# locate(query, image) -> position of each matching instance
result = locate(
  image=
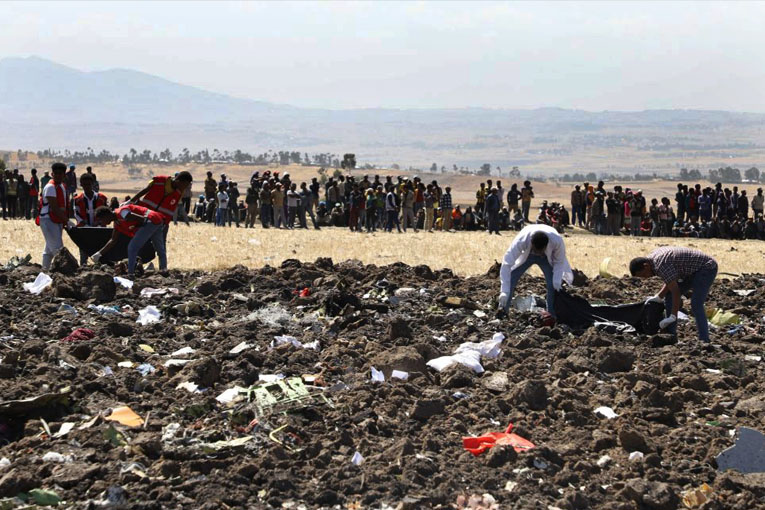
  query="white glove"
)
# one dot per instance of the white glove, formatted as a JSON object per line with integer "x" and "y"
{"x": 503, "y": 298}
{"x": 654, "y": 299}
{"x": 668, "y": 321}
{"x": 96, "y": 257}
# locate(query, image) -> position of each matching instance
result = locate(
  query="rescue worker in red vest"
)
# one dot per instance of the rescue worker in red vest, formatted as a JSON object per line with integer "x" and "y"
{"x": 139, "y": 223}
{"x": 54, "y": 215}
{"x": 85, "y": 205}
{"x": 163, "y": 194}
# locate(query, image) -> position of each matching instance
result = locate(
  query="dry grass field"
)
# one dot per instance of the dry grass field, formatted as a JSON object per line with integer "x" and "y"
{"x": 202, "y": 246}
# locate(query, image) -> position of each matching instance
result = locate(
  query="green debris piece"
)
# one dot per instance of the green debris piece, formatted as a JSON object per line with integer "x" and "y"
{"x": 283, "y": 395}
{"x": 44, "y": 497}
{"x": 714, "y": 423}
{"x": 115, "y": 437}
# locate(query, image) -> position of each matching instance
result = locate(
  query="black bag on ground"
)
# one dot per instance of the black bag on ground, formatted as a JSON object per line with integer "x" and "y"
{"x": 578, "y": 313}
{"x": 92, "y": 239}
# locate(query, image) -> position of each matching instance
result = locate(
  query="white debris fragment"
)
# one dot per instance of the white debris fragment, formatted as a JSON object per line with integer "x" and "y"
{"x": 604, "y": 461}
{"x": 636, "y": 456}
{"x": 606, "y": 412}
{"x": 377, "y": 376}
{"x": 148, "y": 315}
{"x": 230, "y": 395}
{"x": 242, "y": 346}
{"x": 469, "y": 354}
{"x": 189, "y": 386}
{"x": 399, "y": 374}
{"x": 357, "y": 459}
{"x": 286, "y": 339}
{"x": 57, "y": 457}
{"x": 41, "y": 282}
{"x": 183, "y": 351}
{"x": 176, "y": 362}
{"x": 128, "y": 284}
{"x": 269, "y": 378}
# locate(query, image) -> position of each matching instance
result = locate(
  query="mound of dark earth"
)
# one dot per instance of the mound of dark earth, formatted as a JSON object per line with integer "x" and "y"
{"x": 677, "y": 403}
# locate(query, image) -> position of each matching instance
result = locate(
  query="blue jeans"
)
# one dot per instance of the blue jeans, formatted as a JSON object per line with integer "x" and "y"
{"x": 699, "y": 282}
{"x": 547, "y": 270}
{"x": 148, "y": 232}
{"x": 220, "y": 217}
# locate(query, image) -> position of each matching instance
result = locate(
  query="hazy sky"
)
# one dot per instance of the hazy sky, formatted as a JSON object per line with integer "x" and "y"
{"x": 594, "y": 56}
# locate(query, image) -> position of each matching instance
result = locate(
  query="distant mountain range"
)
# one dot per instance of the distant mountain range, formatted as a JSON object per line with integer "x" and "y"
{"x": 44, "y": 104}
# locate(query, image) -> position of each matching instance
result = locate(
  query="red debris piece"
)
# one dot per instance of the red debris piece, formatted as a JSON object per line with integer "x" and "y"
{"x": 478, "y": 445}
{"x": 79, "y": 334}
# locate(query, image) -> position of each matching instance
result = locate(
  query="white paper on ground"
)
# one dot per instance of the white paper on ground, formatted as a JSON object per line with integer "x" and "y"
{"x": 148, "y": 315}
{"x": 286, "y": 339}
{"x": 399, "y": 374}
{"x": 488, "y": 348}
{"x": 230, "y": 395}
{"x": 40, "y": 283}
{"x": 189, "y": 386}
{"x": 270, "y": 377}
{"x": 176, "y": 362}
{"x": 606, "y": 412}
{"x": 471, "y": 359}
{"x": 128, "y": 284}
{"x": 183, "y": 351}
{"x": 150, "y": 291}
{"x": 469, "y": 354}
{"x": 242, "y": 346}
{"x": 636, "y": 456}
{"x": 377, "y": 376}
{"x": 357, "y": 459}
{"x": 65, "y": 428}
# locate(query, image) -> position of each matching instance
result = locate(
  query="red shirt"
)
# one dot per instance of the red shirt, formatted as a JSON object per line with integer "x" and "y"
{"x": 128, "y": 226}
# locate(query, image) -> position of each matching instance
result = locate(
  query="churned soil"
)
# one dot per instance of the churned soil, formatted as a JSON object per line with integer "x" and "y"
{"x": 677, "y": 401}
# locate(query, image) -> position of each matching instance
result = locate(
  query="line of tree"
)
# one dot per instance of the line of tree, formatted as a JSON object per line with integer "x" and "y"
{"x": 185, "y": 156}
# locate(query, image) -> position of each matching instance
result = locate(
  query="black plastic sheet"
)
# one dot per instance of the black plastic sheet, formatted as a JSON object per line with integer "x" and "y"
{"x": 92, "y": 239}
{"x": 578, "y": 313}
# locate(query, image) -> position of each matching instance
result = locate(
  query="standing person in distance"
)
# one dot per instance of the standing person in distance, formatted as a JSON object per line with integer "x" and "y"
{"x": 681, "y": 269}
{"x": 539, "y": 245}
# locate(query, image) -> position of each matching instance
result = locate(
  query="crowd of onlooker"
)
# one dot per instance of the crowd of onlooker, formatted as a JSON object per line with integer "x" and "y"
{"x": 19, "y": 196}
{"x": 365, "y": 204}
{"x": 711, "y": 212}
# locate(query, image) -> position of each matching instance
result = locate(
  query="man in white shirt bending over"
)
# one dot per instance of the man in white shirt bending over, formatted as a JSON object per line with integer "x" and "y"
{"x": 536, "y": 244}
